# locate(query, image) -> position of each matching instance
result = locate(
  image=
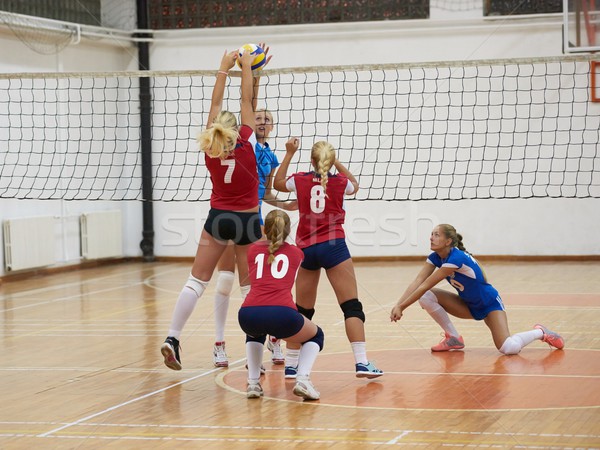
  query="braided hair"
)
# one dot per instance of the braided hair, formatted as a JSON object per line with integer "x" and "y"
{"x": 323, "y": 157}
{"x": 277, "y": 229}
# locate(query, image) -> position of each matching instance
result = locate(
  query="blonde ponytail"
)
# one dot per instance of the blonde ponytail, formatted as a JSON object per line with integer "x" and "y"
{"x": 277, "y": 229}
{"x": 218, "y": 141}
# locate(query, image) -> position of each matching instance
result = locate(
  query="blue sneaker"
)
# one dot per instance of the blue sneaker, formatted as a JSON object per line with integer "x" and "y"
{"x": 367, "y": 370}
{"x": 291, "y": 372}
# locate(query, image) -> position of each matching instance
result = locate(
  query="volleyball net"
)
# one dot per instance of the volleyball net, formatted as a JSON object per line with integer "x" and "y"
{"x": 446, "y": 130}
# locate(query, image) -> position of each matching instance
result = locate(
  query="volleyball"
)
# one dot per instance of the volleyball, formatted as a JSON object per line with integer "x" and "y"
{"x": 259, "y": 55}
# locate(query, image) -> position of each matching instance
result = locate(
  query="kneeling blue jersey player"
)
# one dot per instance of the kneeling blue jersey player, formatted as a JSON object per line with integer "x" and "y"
{"x": 475, "y": 298}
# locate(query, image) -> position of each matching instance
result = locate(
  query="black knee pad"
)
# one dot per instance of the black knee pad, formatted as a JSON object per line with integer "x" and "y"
{"x": 318, "y": 338}
{"x": 308, "y": 313}
{"x": 353, "y": 308}
{"x": 259, "y": 339}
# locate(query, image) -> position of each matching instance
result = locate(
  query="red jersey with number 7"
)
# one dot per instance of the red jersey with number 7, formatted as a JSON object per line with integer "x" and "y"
{"x": 235, "y": 178}
{"x": 271, "y": 284}
{"x": 322, "y": 214}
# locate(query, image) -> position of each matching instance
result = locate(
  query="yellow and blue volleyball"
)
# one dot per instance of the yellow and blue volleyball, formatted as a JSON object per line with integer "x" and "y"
{"x": 259, "y": 55}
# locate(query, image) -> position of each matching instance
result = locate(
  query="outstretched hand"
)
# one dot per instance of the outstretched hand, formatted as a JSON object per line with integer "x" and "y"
{"x": 266, "y": 49}
{"x": 246, "y": 58}
{"x": 228, "y": 60}
{"x": 292, "y": 145}
{"x": 396, "y": 313}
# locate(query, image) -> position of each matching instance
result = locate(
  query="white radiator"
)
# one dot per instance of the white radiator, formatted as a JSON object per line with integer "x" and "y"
{"x": 101, "y": 235}
{"x": 29, "y": 242}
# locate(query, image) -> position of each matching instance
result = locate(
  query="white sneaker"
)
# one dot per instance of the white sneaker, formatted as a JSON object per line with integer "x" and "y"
{"x": 219, "y": 355}
{"x": 305, "y": 389}
{"x": 275, "y": 348}
{"x": 254, "y": 390}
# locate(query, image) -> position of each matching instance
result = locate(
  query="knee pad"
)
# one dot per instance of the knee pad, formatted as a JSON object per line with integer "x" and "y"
{"x": 259, "y": 339}
{"x": 308, "y": 313}
{"x": 196, "y": 285}
{"x": 429, "y": 302}
{"x": 353, "y": 308}
{"x": 318, "y": 338}
{"x": 511, "y": 346}
{"x": 244, "y": 291}
{"x": 224, "y": 282}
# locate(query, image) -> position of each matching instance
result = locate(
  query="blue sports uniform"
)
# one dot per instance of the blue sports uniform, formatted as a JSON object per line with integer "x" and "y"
{"x": 470, "y": 284}
{"x": 266, "y": 161}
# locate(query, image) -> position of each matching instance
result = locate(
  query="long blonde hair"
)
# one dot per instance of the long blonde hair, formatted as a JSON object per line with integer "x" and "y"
{"x": 218, "y": 141}
{"x": 277, "y": 229}
{"x": 323, "y": 156}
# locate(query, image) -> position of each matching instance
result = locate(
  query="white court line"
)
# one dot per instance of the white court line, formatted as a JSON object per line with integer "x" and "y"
{"x": 134, "y": 400}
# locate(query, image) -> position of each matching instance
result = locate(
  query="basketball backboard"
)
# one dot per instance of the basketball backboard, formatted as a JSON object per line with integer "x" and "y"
{"x": 581, "y": 26}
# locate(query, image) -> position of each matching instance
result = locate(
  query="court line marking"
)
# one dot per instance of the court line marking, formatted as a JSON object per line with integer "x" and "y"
{"x": 129, "y": 402}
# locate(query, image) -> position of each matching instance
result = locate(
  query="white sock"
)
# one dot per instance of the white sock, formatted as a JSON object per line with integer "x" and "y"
{"x": 308, "y": 355}
{"x": 291, "y": 357}
{"x": 183, "y": 310}
{"x": 360, "y": 352}
{"x": 429, "y": 303}
{"x": 527, "y": 337}
{"x": 254, "y": 354}
{"x": 222, "y": 293}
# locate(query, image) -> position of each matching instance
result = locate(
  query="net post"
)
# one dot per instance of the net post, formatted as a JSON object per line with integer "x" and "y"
{"x": 147, "y": 243}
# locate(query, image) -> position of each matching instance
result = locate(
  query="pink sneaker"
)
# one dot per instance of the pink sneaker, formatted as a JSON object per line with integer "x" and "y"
{"x": 449, "y": 343}
{"x": 550, "y": 337}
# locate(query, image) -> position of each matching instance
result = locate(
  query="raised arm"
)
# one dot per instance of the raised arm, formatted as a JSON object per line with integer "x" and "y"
{"x": 427, "y": 278}
{"x": 291, "y": 146}
{"x": 342, "y": 169}
{"x": 247, "y": 110}
{"x": 216, "y": 102}
{"x": 256, "y": 82}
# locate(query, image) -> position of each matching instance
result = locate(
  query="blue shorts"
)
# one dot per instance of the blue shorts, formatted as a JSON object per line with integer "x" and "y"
{"x": 325, "y": 255}
{"x": 481, "y": 311}
{"x": 278, "y": 321}
{"x": 242, "y": 228}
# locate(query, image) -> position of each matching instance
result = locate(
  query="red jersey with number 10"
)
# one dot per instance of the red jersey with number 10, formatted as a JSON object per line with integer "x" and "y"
{"x": 235, "y": 178}
{"x": 322, "y": 214}
{"x": 271, "y": 284}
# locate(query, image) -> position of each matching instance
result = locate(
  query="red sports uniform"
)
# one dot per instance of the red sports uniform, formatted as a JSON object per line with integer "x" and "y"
{"x": 235, "y": 178}
{"x": 271, "y": 284}
{"x": 322, "y": 214}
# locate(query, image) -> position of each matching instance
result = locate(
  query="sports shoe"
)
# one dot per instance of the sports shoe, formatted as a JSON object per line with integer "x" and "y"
{"x": 254, "y": 390}
{"x": 219, "y": 355}
{"x": 290, "y": 372}
{"x": 170, "y": 351}
{"x": 305, "y": 389}
{"x": 449, "y": 343}
{"x": 550, "y": 337}
{"x": 367, "y": 370}
{"x": 275, "y": 347}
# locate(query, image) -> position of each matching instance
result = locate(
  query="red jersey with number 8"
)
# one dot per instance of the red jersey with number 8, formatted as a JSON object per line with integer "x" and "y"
{"x": 322, "y": 214}
{"x": 235, "y": 178}
{"x": 271, "y": 284}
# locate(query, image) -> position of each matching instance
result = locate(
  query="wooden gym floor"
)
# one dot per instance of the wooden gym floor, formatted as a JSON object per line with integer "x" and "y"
{"x": 81, "y": 368}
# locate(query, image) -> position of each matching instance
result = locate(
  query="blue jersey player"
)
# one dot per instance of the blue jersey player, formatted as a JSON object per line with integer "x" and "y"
{"x": 475, "y": 298}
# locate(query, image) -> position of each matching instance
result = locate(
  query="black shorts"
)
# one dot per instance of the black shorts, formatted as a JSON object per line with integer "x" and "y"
{"x": 242, "y": 228}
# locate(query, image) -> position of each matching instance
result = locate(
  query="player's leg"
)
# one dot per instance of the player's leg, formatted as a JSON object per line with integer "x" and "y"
{"x": 223, "y": 288}
{"x": 343, "y": 280}
{"x": 439, "y": 304}
{"x": 307, "y": 282}
{"x": 208, "y": 254}
{"x": 311, "y": 339}
{"x": 509, "y": 344}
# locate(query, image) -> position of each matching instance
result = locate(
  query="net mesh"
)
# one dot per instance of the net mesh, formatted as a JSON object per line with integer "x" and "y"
{"x": 445, "y": 131}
